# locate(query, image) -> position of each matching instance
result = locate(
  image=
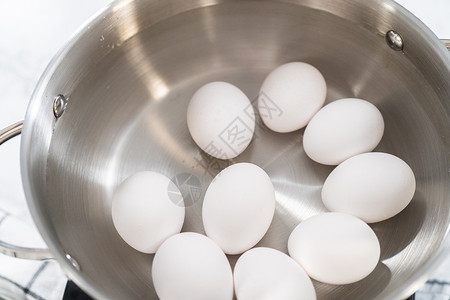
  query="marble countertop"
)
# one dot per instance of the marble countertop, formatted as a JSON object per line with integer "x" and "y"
{"x": 33, "y": 31}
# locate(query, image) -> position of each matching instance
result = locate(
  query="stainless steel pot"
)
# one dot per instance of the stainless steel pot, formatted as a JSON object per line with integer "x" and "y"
{"x": 126, "y": 78}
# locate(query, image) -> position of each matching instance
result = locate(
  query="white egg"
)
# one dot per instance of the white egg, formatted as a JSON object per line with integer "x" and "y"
{"x": 147, "y": 208}
{"x": 335, "y": 248}
{"x": 238, "y": 207}
{"x": 342, "y": 129}
{"x": 371, "y": 186}
{"x": 290, "y": 96}
{"x": 221, "y": 120}
{"x": 265, "y": 273}
{"x": 191, "y": 266}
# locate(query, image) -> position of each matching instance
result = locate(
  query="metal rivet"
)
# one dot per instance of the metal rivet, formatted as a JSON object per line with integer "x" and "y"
{"x": 74, "y": 263}
{"x": 394, "y": 40}
{"x": 59, "y": 105}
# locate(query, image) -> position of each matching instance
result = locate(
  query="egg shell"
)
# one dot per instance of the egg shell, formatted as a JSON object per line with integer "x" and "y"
{"x": 266, "y": 273}
{"x": 238, "y": 207}
{"x": 221, "y": 119}
{"x": 342, "y": 129}
{"x": 191, "y": 266}
{"x": 335, "y": 248}
{"x": 290, "y": 96}
{"x": 143, "y": 212}
{"x": 371, "y": 186}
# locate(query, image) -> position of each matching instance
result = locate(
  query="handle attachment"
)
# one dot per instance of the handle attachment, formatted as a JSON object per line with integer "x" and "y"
{"x": 446, "y": 43}
{"x": 6, "y": 248}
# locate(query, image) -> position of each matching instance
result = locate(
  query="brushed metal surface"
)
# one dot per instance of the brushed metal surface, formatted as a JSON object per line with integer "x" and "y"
{"x": 7, "y": 248}
{"x": 129, "y": 75}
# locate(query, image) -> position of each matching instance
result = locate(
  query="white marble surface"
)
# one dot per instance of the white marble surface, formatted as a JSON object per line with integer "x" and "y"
{"x": 31, "y": 33}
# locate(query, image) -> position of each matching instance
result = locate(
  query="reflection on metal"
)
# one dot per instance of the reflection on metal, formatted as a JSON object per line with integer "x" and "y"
{"x": 138, "y": 57}
{"x": 119, "y": 6}
{"x": 7, "y": 248}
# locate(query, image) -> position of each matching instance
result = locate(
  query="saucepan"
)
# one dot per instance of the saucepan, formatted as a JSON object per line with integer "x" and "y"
{"x": 113, "y": 102}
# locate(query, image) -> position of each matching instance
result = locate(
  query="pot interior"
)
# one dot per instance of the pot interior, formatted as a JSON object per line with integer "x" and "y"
{"x": 129, "y": 78}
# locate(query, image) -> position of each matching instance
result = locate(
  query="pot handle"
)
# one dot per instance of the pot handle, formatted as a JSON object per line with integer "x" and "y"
{"x": 446, "y": 44}
{"x": 6, "y": 248}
